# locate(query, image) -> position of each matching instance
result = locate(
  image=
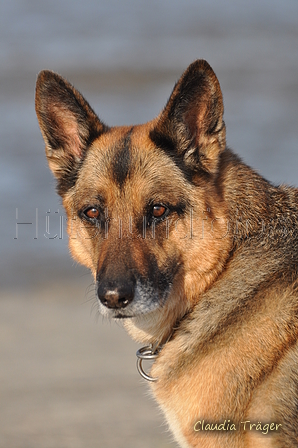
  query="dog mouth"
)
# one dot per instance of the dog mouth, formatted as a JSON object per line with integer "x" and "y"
{"x": 145, "y": 300}
{"x": 130, "y": 295}
{"x": 129, "y": 299}
{"x": 122, "y": 316}
{"x": 134, "y": 309}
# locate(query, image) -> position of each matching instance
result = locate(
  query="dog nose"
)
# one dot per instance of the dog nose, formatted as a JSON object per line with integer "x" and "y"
{"x": 116, "y": 297}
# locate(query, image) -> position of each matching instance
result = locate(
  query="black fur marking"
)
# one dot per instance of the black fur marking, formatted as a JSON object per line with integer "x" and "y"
{"x": 71, "y": 171}
{"x": 163, "y": 142}
{"x": 122, "y": 161}
{"x": 162, "y": 278}
{"x": 70, "y": 175}
{"x": 168, "y": 146}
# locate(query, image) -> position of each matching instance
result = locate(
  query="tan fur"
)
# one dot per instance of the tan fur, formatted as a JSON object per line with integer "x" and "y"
{"x": 213, "y": 281}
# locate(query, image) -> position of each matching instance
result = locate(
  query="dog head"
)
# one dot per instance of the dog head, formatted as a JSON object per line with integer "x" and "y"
{"x": 145, "y": 212}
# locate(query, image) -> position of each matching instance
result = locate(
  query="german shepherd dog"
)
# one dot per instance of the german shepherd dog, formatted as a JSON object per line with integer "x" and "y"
{"x": 195, "y": 252}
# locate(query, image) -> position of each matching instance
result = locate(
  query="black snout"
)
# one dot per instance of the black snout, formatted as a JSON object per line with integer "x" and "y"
{"x": 116, "y": 295}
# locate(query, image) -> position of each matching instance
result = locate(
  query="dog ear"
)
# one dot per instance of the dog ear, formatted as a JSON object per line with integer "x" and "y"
{"x": 191, "y": 125}
{"x": 67, "y": 122}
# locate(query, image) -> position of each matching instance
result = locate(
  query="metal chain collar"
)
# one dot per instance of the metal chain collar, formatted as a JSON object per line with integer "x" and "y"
{"x": 147, "y": 353}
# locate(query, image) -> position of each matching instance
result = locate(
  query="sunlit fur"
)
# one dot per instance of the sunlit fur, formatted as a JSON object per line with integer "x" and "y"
{"x": 214, "y": 283}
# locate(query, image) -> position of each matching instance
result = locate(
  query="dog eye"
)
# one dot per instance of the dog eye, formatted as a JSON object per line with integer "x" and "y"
{"x": 92, "y": 213}
{"x": 159, "y": 211}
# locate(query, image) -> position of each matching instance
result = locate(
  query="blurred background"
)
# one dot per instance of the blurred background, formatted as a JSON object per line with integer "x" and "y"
{"x": 68, "y": 379}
